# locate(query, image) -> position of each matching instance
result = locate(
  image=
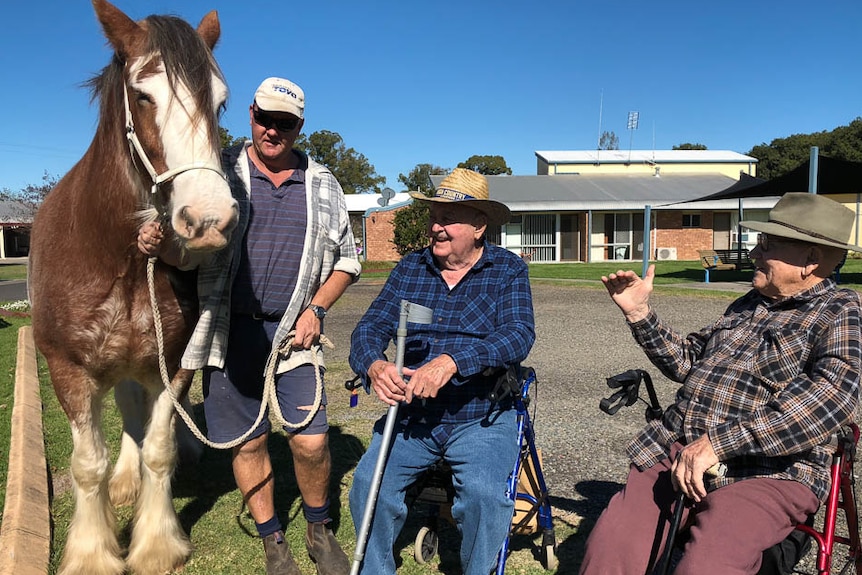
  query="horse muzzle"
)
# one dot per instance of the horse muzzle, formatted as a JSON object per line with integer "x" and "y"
{"x": 205, "y": 231}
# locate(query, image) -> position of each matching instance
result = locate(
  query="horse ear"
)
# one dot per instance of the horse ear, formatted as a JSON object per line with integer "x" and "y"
{"x": 210, "y": 29}
{"x": 124, "y": 34}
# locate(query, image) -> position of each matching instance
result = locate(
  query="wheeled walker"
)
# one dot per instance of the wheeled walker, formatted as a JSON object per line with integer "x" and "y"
{"x": 782, "y": 558}
{"x": 526, "y": 485}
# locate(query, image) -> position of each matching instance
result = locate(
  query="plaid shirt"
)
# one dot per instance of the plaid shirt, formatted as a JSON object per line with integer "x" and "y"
{"x": 328, "y": 246}
{"x": 769, "y": 382}
{"x": 486, "y": 321}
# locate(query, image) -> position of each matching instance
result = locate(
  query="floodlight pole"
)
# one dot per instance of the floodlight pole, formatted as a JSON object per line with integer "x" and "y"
{"x": 631, "y": 126}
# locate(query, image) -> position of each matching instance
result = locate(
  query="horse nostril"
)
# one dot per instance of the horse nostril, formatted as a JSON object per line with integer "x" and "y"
{"x": 187, "y": 222}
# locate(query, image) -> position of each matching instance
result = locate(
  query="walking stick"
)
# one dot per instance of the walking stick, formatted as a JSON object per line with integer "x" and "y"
{"x": 663, "y": 567}
{"x": 410, "y": 312}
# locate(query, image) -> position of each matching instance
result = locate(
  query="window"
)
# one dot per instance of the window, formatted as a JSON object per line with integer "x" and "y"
{"x": 691, "y": 220}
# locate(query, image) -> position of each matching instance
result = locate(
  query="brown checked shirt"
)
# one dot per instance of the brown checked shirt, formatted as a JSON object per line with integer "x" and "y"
{"x": 769, "y": 382}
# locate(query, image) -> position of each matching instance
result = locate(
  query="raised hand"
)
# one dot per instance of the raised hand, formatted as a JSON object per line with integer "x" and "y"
{"x": 630, "y": 292}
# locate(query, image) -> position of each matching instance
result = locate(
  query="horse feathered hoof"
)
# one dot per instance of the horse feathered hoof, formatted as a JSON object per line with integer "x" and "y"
{"x": 91, "y": 562}
{"x": 159, "y": 557}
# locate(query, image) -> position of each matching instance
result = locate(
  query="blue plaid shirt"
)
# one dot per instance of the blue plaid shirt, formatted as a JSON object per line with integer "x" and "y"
{"x": 486, "y": 321}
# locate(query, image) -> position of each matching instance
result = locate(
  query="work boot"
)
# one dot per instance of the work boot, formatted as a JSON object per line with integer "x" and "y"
{"x": 325, "y": 551}
{"x": 279, "y": 560}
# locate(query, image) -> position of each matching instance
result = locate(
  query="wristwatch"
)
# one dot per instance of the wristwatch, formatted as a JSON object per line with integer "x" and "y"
{"x": 319, "y": 311}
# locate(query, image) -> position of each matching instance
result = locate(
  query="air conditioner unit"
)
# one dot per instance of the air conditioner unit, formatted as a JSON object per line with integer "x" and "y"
{"x": 666, "y": 253}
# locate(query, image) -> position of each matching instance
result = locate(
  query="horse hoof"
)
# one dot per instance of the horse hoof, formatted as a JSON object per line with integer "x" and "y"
{"x": 165, "y": 557}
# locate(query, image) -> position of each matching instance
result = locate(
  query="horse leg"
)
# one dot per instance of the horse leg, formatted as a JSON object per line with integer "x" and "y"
{"x": 131, "y": 400}
{"x": 126, "y": 480}
{"x": 158, "y": 541}
{"x": 91, "y": 544}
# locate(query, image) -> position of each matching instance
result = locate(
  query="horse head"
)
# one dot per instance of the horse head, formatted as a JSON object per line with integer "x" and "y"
{"x": 173, "y": 92}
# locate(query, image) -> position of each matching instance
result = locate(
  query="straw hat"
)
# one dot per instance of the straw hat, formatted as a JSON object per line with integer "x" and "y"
{"x": 809, "y": 218}
{"x": 471, "y": 188}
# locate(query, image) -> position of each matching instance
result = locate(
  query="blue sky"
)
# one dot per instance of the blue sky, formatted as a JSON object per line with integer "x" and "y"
{"x": 408, "y": 82}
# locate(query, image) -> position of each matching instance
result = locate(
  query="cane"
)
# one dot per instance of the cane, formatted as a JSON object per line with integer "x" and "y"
{"x": 413, "y": 313}
{"x": 663, "y": 567}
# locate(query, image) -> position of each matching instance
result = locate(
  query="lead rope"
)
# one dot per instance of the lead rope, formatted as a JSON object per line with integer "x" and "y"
{"x": 269, "y": 394}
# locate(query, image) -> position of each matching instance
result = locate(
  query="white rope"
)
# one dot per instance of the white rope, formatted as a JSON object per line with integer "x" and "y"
{"x": 269, "y": 397}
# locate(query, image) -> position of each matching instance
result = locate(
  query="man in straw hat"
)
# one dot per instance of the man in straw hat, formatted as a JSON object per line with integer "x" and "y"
{"x": 482, "y": 323}
{"x": 763, "y": 389}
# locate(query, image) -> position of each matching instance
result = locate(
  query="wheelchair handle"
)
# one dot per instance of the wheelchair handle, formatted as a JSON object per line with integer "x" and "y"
{"x": 354, "y": 383}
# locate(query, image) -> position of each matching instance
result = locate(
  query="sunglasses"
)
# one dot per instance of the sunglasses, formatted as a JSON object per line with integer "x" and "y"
{"x": 263, "y": 119}
{"x": 764, "y": 242}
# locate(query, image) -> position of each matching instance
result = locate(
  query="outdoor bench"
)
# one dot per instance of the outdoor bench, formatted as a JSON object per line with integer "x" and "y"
{"x": 724, "y": 260}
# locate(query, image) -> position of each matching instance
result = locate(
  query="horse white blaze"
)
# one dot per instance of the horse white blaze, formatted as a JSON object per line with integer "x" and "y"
{"x": 202, "y": 210}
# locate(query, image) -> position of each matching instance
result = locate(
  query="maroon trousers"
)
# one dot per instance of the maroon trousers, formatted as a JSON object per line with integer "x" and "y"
{"x": 729, "y": 529}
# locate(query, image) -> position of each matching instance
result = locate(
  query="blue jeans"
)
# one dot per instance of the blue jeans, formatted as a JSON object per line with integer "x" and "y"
{"x": 482, "y": 454}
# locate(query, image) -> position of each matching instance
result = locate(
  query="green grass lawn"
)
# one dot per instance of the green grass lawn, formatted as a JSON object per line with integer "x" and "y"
{"x": 13, "y": 272}
{"x": 670, "y": 272}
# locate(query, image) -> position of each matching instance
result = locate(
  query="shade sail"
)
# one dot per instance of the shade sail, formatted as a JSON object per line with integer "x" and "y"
{"x": 833, "y": 177}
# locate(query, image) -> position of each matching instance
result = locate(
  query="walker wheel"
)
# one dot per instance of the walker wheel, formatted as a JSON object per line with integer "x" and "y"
{"x": 425, "y": 546}
{"x": 549, "y": 557}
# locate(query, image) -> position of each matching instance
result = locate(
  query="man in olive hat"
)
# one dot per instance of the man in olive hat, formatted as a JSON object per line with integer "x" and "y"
{"x": 763, "y": 389}
{"x": 482, "y": 323}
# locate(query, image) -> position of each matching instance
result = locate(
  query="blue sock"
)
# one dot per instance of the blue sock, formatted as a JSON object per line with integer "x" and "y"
{"x": 316, "y": 514}
{"x": 268, "y": 527}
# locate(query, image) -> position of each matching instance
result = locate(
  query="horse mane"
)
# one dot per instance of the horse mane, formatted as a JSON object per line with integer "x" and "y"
{"x": 186, "y": 60}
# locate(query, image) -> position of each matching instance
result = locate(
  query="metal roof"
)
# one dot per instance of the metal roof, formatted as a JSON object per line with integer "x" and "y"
{"x": 573, "y": 192}
{"x": 644, "y": 156}
{"x": 362, "y": 202}
{"x": 14, "y": 212}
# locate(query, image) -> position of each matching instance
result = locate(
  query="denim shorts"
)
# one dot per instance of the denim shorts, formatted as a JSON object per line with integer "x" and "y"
{"x": 232, "y": 395}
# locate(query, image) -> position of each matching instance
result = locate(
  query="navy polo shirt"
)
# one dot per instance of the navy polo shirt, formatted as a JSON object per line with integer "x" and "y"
{"x": 273, "y": 245}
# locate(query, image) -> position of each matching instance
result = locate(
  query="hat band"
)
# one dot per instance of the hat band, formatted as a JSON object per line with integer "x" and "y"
{"x": 807, "y": 232}
{"x": 453, "y": 195}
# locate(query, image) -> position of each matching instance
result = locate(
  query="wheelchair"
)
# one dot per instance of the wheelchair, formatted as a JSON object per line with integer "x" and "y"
{"x": 783, "y": 557}
{"x": 526, "y": 485}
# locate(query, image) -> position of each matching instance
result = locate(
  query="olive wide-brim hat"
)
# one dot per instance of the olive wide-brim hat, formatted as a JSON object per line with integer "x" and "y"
{"x": 809, "y": 218}
{"x": 471, "y": 189}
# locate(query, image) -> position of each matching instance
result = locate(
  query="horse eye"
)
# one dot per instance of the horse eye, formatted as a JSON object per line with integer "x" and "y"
{"x": 222, "y": 108}
{"x": 144, "y": 99}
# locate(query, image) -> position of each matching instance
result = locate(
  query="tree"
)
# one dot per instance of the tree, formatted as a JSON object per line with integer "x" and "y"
{"x": 30, "y": 197}
{"x": 411, "y": 222}
{"x": 227, "y": 140}
{"x": 609, "y": 141}
{"x": 784, "y": 154}
{"x": 487, "y": 165}
{"x": 419, "y": 178}
{"x": 411, "y": 228}
{"x": 352, "y": 170}
{"x": 688, "y": 146}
